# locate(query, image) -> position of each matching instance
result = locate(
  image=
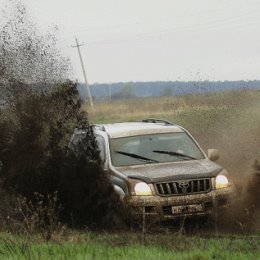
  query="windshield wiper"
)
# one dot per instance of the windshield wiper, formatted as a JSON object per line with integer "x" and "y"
{"x": 175, "y": 154}
{"x": 136, "y": 156}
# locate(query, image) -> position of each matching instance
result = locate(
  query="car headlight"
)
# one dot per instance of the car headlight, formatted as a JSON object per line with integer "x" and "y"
{"x": 142, "y": 189}
{"x": 221, "y": 181}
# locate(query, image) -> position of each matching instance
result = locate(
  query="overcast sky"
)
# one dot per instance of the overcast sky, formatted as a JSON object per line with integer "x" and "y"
{"x": 148, "y": 40}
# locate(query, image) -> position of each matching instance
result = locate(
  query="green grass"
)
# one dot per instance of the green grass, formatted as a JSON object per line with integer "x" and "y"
{"x": 129, "y": 246}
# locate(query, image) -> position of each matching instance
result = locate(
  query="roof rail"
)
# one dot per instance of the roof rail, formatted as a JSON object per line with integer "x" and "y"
{"x": 100, "y": 127}
{"x": 156, "y": 121}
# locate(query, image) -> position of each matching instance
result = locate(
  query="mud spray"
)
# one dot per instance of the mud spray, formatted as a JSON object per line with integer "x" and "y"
{"x": 236, "y": 135}
{"x": 28, "y": 58}
{"x": 241, "y": 150}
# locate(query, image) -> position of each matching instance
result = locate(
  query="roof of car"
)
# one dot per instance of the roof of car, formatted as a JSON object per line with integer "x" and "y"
{"x": 125, "y": 129}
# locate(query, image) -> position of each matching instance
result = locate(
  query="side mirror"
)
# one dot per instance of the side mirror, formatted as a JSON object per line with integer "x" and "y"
{"x": 213, "y": 154}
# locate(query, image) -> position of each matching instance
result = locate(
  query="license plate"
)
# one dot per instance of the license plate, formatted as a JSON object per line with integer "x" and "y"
{"x": 187, "y": 209}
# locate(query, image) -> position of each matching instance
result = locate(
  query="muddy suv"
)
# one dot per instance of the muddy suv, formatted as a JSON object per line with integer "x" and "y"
{"x": 158, "y": 168}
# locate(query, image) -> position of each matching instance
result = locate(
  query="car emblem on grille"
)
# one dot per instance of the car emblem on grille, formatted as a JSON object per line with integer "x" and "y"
{"x": 184, "y": 185}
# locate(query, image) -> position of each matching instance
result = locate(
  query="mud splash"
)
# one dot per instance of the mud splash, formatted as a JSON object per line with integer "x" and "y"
{"x": 28, "y": 58}
{"x": 238, "y": 140}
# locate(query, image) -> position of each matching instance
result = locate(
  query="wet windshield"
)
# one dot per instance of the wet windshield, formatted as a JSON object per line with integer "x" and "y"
{"x": 153, "y": 148}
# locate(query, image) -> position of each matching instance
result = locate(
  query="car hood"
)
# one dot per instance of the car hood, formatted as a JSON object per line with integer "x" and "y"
{"x": 151, "y": 173}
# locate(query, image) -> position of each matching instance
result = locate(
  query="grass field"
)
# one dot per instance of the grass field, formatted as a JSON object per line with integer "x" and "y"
{"x": 170, "y": 107}
{"x": 129, "y": 246}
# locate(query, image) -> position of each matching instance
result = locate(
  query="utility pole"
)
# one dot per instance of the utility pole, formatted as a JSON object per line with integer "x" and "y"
{"x": 199, "y": 82}
{"x": 109, "y": 89}
{"x": 84, "y": 73}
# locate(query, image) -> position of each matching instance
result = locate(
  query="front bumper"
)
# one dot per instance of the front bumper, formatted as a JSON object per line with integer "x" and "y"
{"x": 215, "y": 202}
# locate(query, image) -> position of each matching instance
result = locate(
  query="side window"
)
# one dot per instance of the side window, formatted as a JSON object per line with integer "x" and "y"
{"x": 101, "y": 147}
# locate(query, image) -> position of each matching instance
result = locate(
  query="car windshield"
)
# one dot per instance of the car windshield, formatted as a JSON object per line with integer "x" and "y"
{"x": 153, "y": 148}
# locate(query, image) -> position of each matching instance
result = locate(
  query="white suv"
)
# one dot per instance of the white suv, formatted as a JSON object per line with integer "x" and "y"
{"x": 158, "y": 168}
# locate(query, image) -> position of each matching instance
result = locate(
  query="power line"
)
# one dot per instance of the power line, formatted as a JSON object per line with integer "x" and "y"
{"x": 211, "y": 13}
{"x": 232, "y": 22}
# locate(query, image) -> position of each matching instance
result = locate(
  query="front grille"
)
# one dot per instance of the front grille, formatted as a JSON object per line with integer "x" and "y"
{"x": 183, "y": 187}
